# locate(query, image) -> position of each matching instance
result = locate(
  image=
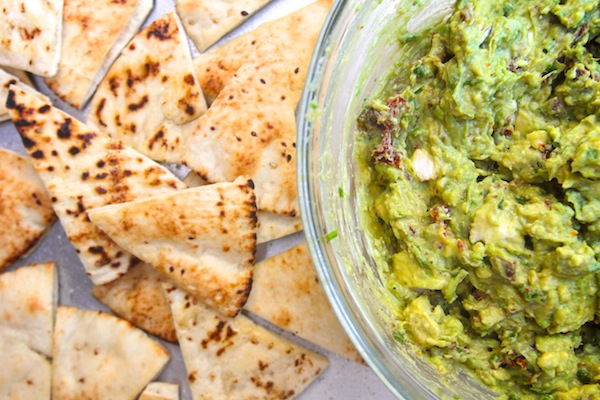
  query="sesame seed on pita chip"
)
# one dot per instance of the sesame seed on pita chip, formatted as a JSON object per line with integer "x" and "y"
{"x": 203, "y": 238}
{"x": 150, "y": 97}
{"x": 83, "y": 169}
{"x": 270, "y": 41}
{"x": 30, "y": 33}
{"x": 93, "y": 34}
{"x": 28, "y": 300}
{"x": 100, "y": 356}
{"x": 138, "y": 297}
{"x": 26, "y": 374}
{"x": 286, "y": 292}
{"x": 25, "y": 209}
{"x": 229, "y": 358}
{"x": 207, "y": 21}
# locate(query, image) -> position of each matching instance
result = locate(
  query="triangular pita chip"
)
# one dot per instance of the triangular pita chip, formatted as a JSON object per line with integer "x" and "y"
{"x": 99, "y": 356}
{"x": 83, "y": 169}
{"x": 151, "y": 96}
{"x": 273, "y": 226}
{"x": 270, "y": 226}
{"x": 207, "y": 21}
{"x": 203, "y": 238}
{"x": 251, "y": 129}
{"x": 94, "y": 33}
{"x": 28, "y": 299}
{"x": 25, "y": 208}
{"x": 30, "y": 33}
{"x": 286, "y": 292}
{"x": 160, "y": 391}
{"x": 25, "y": 373}
{"x": 228, "y": 358}
{"x": 138, "y": 297}
{"x": 290, "y": 39}
{"x": 10, "y": 76}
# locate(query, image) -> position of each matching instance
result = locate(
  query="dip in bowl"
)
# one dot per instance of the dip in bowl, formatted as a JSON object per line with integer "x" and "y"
{"x": 449, "y": 157}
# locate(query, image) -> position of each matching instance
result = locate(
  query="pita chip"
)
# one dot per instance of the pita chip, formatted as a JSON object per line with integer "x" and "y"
{"x": 251, "y": 129}
{"x": 150, "y": 97}
{"x": 270, "y": 226}
{"x": 82, "y": 169}
{"x": 25, "y": 208}
{"x": 160, "y": 391}
{"x": 207, "y": 21}
{"x": 204, "y": 238}
{"x": 94, "y": 33}
{"x": 229, "y": 358}
{"x": 10, "y": 76}
{"x": 30, "y": 35}
{"x": 28, "y": 299}
{"x": 100, "y": 356}
{"x": 286, "y": 292}
{"x": 138, "y": 297}
{"x": 26, "y": 373}
{"x": 270, "y": 41}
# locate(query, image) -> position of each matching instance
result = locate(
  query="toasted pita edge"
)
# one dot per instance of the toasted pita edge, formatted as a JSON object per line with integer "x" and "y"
{"x": 160, "y": 391}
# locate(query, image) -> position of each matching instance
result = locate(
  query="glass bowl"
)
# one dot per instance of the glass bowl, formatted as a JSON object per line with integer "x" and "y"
{"x": 356, "y": 48}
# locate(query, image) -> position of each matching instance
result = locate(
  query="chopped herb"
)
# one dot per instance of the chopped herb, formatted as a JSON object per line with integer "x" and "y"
{"x": 331, "y": 235}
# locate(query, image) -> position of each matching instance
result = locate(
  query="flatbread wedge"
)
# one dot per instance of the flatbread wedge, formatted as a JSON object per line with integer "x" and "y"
{"x": 30, "y": 35}
{"x": 207, "y": 21}
{"x": 151, "y": 96}
{"x": 94, "y": 33}
{"x": 160, "y": 391}
{"x": 229, "y": 358}
{"x": 138, "y": 297}
{"x": 286, "y": 292}
{"x": 270, "y": 226}
{"x": 26, "y": 373}
{"x": 82, "y": 169}
{"x": 99, "y": 356}
{"x": 251, "y": 129}
{"x": 25, "y": 208}
{"x": 204, "y": 238}
{"x": 270, "y": 41}
{"x": 10, "y": 76}
{"x": 28, "y": 300}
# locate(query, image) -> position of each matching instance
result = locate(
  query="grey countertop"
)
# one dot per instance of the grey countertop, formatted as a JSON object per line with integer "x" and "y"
{"x": 342, "y": 380}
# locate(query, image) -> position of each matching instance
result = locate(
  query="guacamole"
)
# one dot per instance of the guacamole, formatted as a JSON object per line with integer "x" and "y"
{"x": 482, "y": 160}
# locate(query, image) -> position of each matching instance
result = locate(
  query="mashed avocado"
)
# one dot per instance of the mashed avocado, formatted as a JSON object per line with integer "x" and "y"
{"x": 484, "y": 191}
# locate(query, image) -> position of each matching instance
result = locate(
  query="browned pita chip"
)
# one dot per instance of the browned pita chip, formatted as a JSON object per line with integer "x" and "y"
{"x": 138, "y": 297}
{"x": 286, "y": 292}
{"x": 25, "y": 208}
{"x": 94, "y": 33}
{"x": 250, "y": 129}
{"x": 151, "y": 96}
{"x": 204, "y": 238}
{"x": 100, "y": 356}
{"x": 28, "y": 300}
{"x": 25, "y": 373}
{"x": 30, "y": 35}
{"x": 270, "y": 41}
{"x": 234, "y": 358}
{"x": 207, "y": 21}
{"x": 82, "y": 169}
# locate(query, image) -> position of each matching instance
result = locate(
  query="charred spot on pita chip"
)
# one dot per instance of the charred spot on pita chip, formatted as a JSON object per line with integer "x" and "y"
{"x": 64, "y": 132}
{"x": 160, "y": 30}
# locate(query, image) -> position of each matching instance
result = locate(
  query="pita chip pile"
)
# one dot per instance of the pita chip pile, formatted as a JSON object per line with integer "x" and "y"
{"x": 170, "y": 258}
{"x": 151, "y": 96}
